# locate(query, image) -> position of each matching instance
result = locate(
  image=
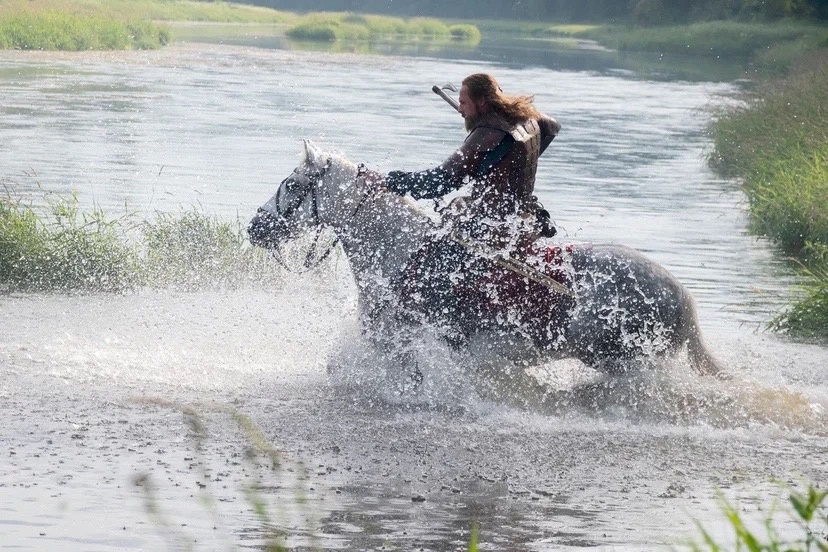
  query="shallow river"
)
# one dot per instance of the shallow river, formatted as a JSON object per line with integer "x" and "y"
{"x": 99, "y": 451}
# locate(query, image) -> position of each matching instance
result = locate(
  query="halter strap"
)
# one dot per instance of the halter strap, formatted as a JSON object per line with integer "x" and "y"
{"x": 308, "y": 263}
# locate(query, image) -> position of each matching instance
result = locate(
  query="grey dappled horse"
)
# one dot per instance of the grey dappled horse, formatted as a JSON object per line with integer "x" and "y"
{"x": 626, "y": 310}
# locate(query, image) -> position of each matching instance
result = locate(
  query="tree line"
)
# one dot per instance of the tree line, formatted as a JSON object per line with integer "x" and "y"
{"x": 642, "y": 12}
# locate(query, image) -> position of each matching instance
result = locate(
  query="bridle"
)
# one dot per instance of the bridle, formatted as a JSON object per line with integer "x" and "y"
{"x": 311, "y": 189}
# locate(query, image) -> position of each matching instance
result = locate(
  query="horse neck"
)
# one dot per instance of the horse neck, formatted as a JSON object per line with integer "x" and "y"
{"x": 379, "y": 231}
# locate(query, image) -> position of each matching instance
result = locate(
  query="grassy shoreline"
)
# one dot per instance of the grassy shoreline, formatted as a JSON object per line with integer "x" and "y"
{"x": 776, "y": 143}
{"x": 77, "y": 25}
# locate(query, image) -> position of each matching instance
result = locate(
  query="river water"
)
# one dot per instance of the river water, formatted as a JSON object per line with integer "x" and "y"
{"x": 99, "y": 450}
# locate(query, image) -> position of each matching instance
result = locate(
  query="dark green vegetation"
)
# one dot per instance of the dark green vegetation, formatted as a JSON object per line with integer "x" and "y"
{"x": 771, "y": 47}
{"x": 809, "y": 513}
{"x": 62, "y": 248}
{"x": 642, "y": 12}
{"x": 776, "y": 141}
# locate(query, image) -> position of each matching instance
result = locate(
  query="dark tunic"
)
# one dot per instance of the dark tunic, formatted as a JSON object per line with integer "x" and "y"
{"x": 445, "y": 280}
{"x": 498, "y": 158}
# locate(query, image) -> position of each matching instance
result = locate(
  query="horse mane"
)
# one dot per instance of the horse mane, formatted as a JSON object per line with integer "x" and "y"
{"x": 318, "y": 158}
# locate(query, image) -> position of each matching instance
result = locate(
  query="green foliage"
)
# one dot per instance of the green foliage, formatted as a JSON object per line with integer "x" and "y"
{"x": 193, "y": 250}
{"x": 330, "y": 26}
{"x": 806, "y": 508}
{"x": 64, "y": 31}
{"x": 713, "y": 38}
{"x": 152, "y": 10}
{"x": 319, "y": 31}
{"x": 382, "y": 25}
{"x": 776, "y": 142}
{"x": 63, "y": 250}
{"x": 465, "y": 32}
{"x": 808, "y": 317}
{"x": 425, "y": 26}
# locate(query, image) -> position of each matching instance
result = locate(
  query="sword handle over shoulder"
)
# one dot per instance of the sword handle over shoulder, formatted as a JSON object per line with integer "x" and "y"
{"x": 451, "y": 101}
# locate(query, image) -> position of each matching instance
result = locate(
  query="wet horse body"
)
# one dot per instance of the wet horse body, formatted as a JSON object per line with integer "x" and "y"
{"x": 625, "y": 306}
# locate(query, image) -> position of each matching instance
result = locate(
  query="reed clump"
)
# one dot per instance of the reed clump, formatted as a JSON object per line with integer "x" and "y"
{"x": 334, "y": 26}
{"x": 60, "y": 247}
{"x": 66, "y": 31}
{"x": 775, "y": 140}
{"x": 807, "y": 510}
{"x": 78, "y": 25}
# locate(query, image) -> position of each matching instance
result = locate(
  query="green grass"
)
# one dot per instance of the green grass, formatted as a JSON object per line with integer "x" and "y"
{"x": 152, "y": 10}
{"x": 808, "y": 317}
{"x": 114, "y": 24}
{"x": 465, "y": 32}
{"x": 808, "y": 512}
{"x": 331, "y": 26}
{"x": 61, "y": 248}
{"x": 776, "y": 142}
{"x": 64, "y": 31}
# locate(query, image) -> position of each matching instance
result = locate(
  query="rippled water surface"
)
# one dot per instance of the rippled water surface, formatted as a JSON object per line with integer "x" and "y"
{"x": 92, "y": 386}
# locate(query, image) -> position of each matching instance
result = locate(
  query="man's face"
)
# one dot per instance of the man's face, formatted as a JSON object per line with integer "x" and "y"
{"x": 470, "y": 111}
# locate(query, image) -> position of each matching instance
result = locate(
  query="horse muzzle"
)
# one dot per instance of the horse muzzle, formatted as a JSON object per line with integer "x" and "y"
{"x": 267, "y": 230}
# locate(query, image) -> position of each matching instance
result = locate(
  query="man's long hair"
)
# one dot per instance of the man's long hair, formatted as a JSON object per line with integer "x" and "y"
{"x": 482, "y": 86}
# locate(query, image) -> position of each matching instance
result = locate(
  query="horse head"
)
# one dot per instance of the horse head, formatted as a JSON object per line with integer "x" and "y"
{"x": 295, "y": 205}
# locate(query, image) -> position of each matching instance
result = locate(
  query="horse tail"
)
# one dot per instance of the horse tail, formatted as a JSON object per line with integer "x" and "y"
{"x": 701, "y": 359}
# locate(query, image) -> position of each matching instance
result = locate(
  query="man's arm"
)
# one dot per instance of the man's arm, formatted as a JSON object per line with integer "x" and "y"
{"x": 451, "y": 174}
{"x": 429, "y": 183}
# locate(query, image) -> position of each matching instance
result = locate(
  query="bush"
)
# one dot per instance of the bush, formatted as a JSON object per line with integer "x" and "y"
{"x": 63, "y": 250}
{"x": 324, "y": 32}
{"x": 193, "y": 250}
{"x": 425, "y": 26}
{"x": 468, "y": 33}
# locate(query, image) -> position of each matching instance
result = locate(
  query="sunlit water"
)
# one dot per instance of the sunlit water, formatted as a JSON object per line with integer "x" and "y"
{"x": 219, "y": 127}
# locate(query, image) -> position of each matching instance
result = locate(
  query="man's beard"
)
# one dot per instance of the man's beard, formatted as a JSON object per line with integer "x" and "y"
{"x": 471, "y": 121}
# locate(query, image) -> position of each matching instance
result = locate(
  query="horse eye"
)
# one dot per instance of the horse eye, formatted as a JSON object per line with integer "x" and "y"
{"x": 292, "y": 184}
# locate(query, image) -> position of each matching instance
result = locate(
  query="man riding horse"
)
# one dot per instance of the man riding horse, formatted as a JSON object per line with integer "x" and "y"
{"x": 507, "y": 135}
{"x": 501, "y": 217}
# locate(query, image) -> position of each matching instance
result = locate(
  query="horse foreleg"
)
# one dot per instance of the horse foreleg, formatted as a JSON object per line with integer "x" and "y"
{"x": 395, "y": 336}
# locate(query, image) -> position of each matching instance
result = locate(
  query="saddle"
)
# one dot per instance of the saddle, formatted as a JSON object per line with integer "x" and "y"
{"x": 455, "y": 287}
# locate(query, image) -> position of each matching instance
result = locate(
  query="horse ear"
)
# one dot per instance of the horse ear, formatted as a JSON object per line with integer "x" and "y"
{"x": 312, "y": 153}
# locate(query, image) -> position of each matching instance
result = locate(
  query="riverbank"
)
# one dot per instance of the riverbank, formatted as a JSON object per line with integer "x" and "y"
{"x": 120, "y": 24}
{"x": 769, "y": 47}
{"x": 775, "y": 141}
